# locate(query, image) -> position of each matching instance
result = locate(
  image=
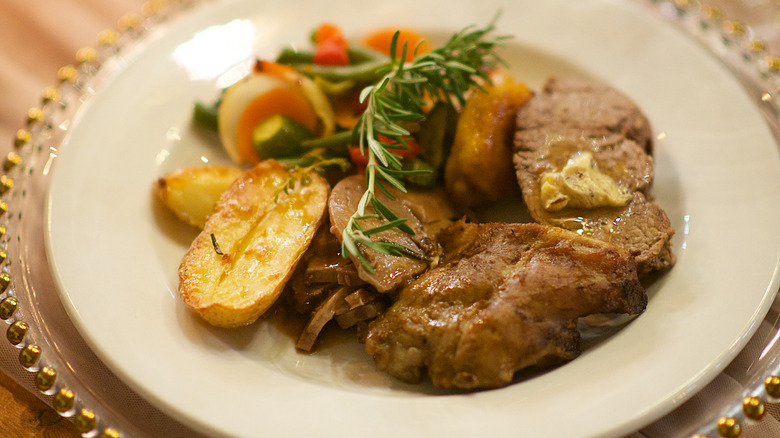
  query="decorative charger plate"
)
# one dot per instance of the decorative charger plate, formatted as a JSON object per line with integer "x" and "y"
{"x": 113, "y": 252}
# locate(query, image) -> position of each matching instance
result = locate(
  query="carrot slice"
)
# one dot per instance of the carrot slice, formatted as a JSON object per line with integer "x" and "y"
{"x": 285, "y": 101}
{"x": 381, "y": 40}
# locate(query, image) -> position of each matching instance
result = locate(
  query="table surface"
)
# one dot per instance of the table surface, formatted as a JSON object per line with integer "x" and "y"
{"x": 36, "y": 39}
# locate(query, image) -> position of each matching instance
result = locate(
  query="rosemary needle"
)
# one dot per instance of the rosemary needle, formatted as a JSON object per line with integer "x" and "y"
{"x": 399, "y": 98}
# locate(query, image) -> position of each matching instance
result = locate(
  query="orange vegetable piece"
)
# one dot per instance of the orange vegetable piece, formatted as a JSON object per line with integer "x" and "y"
{"x": 285, "y": 101}
{"x": 381, "y": 40}
{"x": 330, "y": 32}
{"x": 272, "y": 68}
{"x": 331, "y": 45}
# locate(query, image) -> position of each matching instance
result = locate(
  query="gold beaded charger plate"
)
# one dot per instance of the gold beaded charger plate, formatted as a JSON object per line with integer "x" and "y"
{"x": 114, "y": 253}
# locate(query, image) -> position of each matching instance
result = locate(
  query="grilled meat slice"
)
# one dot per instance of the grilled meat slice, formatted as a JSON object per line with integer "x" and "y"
{"x": 505, "y": 297}
{"x": 569, "y": 119}
{"x": 573, "y": 104}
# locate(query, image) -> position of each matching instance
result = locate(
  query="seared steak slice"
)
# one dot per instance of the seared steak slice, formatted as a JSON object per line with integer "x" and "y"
{"x": 571, "y": 118}
{"x": 505, "y": 297}
{"x": 426, "y": 212}
{"x": 573, "y": 104}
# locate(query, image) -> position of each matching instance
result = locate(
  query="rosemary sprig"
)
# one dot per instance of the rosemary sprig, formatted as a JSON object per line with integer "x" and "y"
{"x": 398, "y": 100}
{"x": 299, "y": 171}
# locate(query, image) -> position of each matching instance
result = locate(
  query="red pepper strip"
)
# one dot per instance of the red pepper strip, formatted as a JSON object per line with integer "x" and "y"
{"x": 361, "y": 161}
{"x": 329, "y": 52}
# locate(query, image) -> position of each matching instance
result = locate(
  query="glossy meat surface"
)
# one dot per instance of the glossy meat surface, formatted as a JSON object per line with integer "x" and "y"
{"x": 505, "y": 297}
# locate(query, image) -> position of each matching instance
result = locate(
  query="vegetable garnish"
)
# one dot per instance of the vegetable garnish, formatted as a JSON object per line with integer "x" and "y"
{"x": 397, "y": 100}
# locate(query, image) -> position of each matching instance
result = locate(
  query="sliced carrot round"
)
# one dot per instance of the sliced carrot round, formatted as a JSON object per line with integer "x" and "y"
{"x": 381, "y": 40}
{"x": 285, "y": 101}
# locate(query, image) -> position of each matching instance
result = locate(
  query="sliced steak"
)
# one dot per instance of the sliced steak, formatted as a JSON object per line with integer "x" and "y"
{"x": 571, "y": 118}
{"x": 505, "y": 297}
{"x": 573, "y": 104}
{"x": 426, "y": 212}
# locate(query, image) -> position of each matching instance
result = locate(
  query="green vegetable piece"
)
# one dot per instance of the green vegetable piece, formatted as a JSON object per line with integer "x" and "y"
{"x": 290, "y": 55}
{"x": 437, "y": 133}
{"x": 420, "y": 172}
{"x": 279, "y": 136}
{"x": 337, "y": 143}
{"x": 368, "y": 71}
{"x": 205, "y": 116}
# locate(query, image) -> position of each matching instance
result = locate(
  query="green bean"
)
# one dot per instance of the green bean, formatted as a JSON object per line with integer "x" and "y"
{"x": 369, "y": 71}
{"x": 337, "y": 143}
{"x": 359, "y": 54}
{"x": 290, "y": 55}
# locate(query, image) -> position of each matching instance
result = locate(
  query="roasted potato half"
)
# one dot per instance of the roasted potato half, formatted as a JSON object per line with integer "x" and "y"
{"x": 240, "y": 262}
{"x": 192, "y": 192}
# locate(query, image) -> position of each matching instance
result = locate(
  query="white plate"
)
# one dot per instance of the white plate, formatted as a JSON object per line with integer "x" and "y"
{"x": 115, "y": 253}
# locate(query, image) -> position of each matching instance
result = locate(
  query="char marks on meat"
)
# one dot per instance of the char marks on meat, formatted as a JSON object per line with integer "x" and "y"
{"x": 504, "y": 297}
{"x": 426, "y": 213}
{"x": 571, "y": 117}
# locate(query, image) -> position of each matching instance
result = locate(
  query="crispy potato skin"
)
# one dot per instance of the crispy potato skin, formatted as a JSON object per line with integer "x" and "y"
{"x": 192, "y": 192}
{"x": 261, "y": 233}
{"x": 479, "y": 168}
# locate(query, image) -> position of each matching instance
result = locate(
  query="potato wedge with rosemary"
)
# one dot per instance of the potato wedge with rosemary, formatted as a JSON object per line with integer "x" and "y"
{"x": 240, "y": 262}
{"x": 192, "y": 192}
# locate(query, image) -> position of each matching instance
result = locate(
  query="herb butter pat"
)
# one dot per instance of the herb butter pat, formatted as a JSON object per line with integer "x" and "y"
{"x": 580, "y": 184}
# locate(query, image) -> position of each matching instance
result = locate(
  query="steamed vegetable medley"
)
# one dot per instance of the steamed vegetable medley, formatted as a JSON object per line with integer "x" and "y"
{"x": 387, "y": 106}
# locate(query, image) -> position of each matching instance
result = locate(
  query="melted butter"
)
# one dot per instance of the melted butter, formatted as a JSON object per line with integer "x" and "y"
{"x": 580, "y": 184}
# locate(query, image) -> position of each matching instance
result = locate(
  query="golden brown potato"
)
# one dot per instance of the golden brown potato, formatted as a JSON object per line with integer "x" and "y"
{"x": 192, "y": 192}
{"x": 479, "y": 168}
{"x": 249, "y": 247}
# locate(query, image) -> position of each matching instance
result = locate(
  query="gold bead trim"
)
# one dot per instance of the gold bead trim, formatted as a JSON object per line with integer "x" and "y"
{"x": 50, "y": 94}
{"x": 63, "y": 401}
{"x": 29, "y": 356}
{"x": 16, "y": 332}
{"x": 6, "y": 184}
{"x": 772, "y": 386}
{"x": 728, "y": 427}
{"x": 12, "y": 160}
{"x": 86, "y": 55}
{"x": 5, "y": 280}
{"x": 34, "y": 115}
{"x": 85, "y": 420}
{"x": 110, "y": 433}
{"x": 108, "y": 37}
{"x": 67, "y": 73}
{"x": 21, "y": 138}
{"x": 130, "y": 22}
{"x": 7, "y": 307}
{"x": 711, "y": 12}
{"x": 753, "y": 408}
{"x": 45, "y": 378}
